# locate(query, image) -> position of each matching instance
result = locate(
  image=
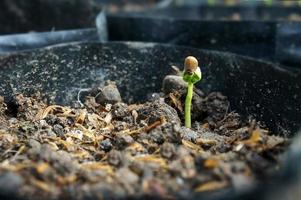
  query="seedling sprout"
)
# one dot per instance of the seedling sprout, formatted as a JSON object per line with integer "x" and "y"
{"x": 192, "y": 74}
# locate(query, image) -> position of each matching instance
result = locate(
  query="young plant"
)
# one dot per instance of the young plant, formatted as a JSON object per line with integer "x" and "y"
{"x": 192, "y": 74}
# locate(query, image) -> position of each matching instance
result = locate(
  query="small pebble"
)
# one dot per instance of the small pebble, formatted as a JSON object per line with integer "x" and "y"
{"x": 59, "y": 130}
{"x": 106, "y": 145}
{"x": 108, "y": 94}
{"x": 167, "y": 150}
{"x": 114, "y": 158}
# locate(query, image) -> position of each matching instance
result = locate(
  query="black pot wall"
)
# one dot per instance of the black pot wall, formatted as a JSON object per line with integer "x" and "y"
{"x": 256, "y": 39}
{"x": 45, "y": 15}
{"x": 120, "y": 6}
{"x": 267, "y": 91}
{"x": 279, "y": 12}
{"x": 27, "y": 41}
{"x": 204, "y": 13}
{"x": 220, "y": 12}
{"x": 288, "y": 43}
{"x": 272, "y": 41}
{"x": 34, "y": 40}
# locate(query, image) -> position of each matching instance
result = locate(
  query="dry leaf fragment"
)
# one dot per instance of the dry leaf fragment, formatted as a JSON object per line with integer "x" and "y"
{"x": 42, "y": 167}
{"x": 77, "y": 134}
{"x": 5, "y": 165}
{"x": 176, "y": 101}
{"x": 7, "y": 138}
{"x": 211, "y": 163}
{"x": 40, "y": 184}
{"x": 20, "y": 150}
{"x": 81, "y": 117}
{"x": 136, "y": 147}
{"x": 67, "y": 113}
{"x": 212, "y": 185}
{"x": 69, "y": 145}
{"x": 192, "y": 146}
{"x": 88, "y": 133}
{"x": 205, "y": 126}
{"x": 108, "y": 118}
{"x": 254, "y": 139}
{"x": 152, "y": 159}
{"x": 96, "y": 121}
{"x": 274, "y": 141}
{"x": 66, "y": 180}
{"x": 135, "y": 116}
{"x": 81, "y": 154}
{"x": 98, "y": 166}
{"x": 43, "y": 113}
{"x": 203, "y": 141}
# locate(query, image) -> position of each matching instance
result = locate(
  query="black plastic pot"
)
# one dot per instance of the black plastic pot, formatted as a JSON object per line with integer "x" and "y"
{"x": 26, "y": 41}
{"x": 256, "y": 39}
{"x": 222, "y": 12}
{"x": 269, "y": 92}
{"x": 116, "y": 6}
{"x": 46, "y": 15}
{"x": 272, "y": 41}
{"x": 49, "y": 22}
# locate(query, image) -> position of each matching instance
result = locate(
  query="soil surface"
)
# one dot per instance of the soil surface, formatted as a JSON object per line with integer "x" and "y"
{"x": 103, "y": 148}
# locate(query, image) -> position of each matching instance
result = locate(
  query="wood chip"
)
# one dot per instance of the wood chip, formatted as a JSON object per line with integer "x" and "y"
{"x": 153, "y": 125}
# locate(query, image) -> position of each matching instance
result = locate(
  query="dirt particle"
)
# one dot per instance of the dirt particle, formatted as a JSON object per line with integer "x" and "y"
{"x": 168, "y": 150}
{"x": 115, "y": 158}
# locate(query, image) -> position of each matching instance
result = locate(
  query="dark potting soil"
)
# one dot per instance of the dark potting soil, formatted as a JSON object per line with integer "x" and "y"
{"x": 104, "y": 148}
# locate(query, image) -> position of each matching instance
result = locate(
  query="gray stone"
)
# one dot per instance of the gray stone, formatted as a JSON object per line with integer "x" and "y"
{"x": 34, "y": 144}
{"x": 172, "y": 83}
{"x": 108, "y": 94}
{"x": 106, "y": 145}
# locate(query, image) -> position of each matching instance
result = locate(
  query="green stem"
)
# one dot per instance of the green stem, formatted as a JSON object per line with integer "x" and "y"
{"x": 188, "y": 105}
